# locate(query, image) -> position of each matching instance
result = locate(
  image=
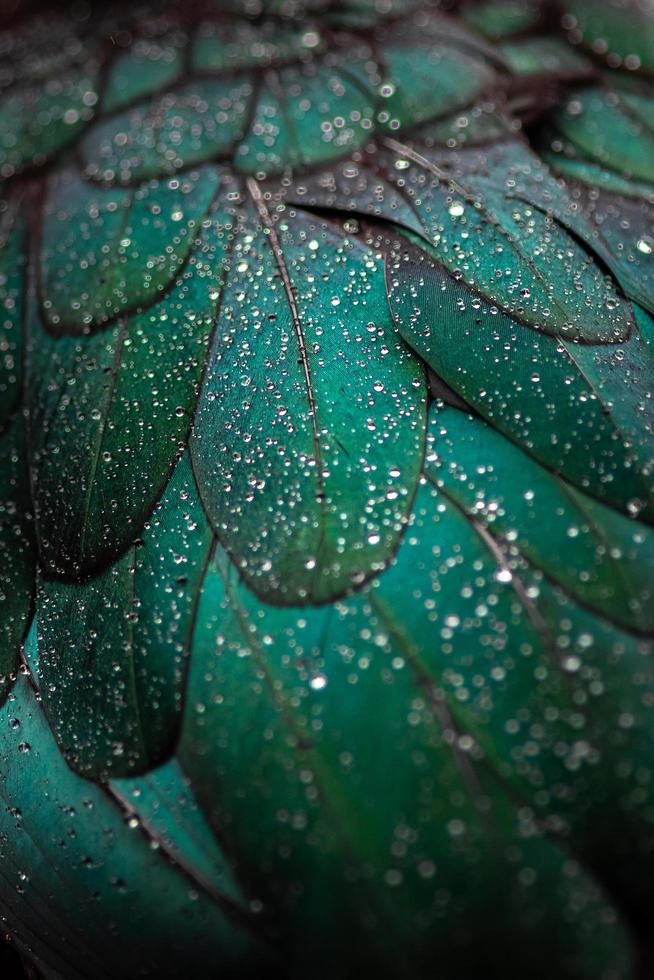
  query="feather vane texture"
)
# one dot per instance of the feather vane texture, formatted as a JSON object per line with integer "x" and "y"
{"x": 327, "y": 489}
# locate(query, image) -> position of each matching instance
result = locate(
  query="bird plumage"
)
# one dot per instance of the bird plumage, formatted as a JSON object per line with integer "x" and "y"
{"x": 326, "y": 499}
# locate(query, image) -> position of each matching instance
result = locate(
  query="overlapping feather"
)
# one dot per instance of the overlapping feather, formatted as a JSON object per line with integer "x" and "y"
{"x": 328, "y": 422}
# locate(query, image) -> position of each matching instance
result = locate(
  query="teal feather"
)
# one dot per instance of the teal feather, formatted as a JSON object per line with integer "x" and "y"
{"x": 327, "y": 489}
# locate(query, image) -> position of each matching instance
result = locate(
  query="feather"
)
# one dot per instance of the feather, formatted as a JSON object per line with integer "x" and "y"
{"x": 53, "y": 97}
{"x": 17, "y": 551}
{"x": 118, "y": 406}
{"x": 301, "y": 791}
{"x": 306, "y": 460}
{"x": 624, "y": 33}
{"x": 106, "y": 253}
{"x": 557, "y": 399}
{"x": 326, "y": 489}
{"x": 610, "y": 129}
{"x": 599, "y": 557}
{"x": 82, "y": 854}
{"x": 112, "y": 650}
{"x": 12, "y": 297}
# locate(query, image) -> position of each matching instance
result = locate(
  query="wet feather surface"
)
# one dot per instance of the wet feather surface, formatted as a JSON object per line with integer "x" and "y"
{"x": 327, "y": 489}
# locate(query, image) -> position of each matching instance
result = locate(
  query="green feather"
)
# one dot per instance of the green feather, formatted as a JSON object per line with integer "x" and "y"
{"x": 502, "y": 18}
{"x": 546, "y": 57}
{"x": 625, "y": 223}
{"x": 203, "y": 120}
{"x": 17, "y": 551}
{"x": 225, "y": 46}
{"x": 164, "y": 805}
{"x": 599, "y": 557}
{"x": 87, "y": 867}
{"x": 306, "y": 456}
{"x": 605, "y": 129}
{"x": 480, "y": 207}
{"x": 117, "y": 405}
{"x": 561, "y": 401}
{"x": 308, "y": 783}
{"x": 536, "y": 683}
{"x": 432, "y": 79}
{"x": 112, "y": 650}
{"x": 146, "y": 67}
{"x": 12, "y": 297}
{"x": 108, "y": 252}
{"x": 624, "y": 32}
{"x": 296, "y": 114}
{"x": 36, "y": 121}
{"x": 545, "y": 280}
{"x": 326, "y": 486}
